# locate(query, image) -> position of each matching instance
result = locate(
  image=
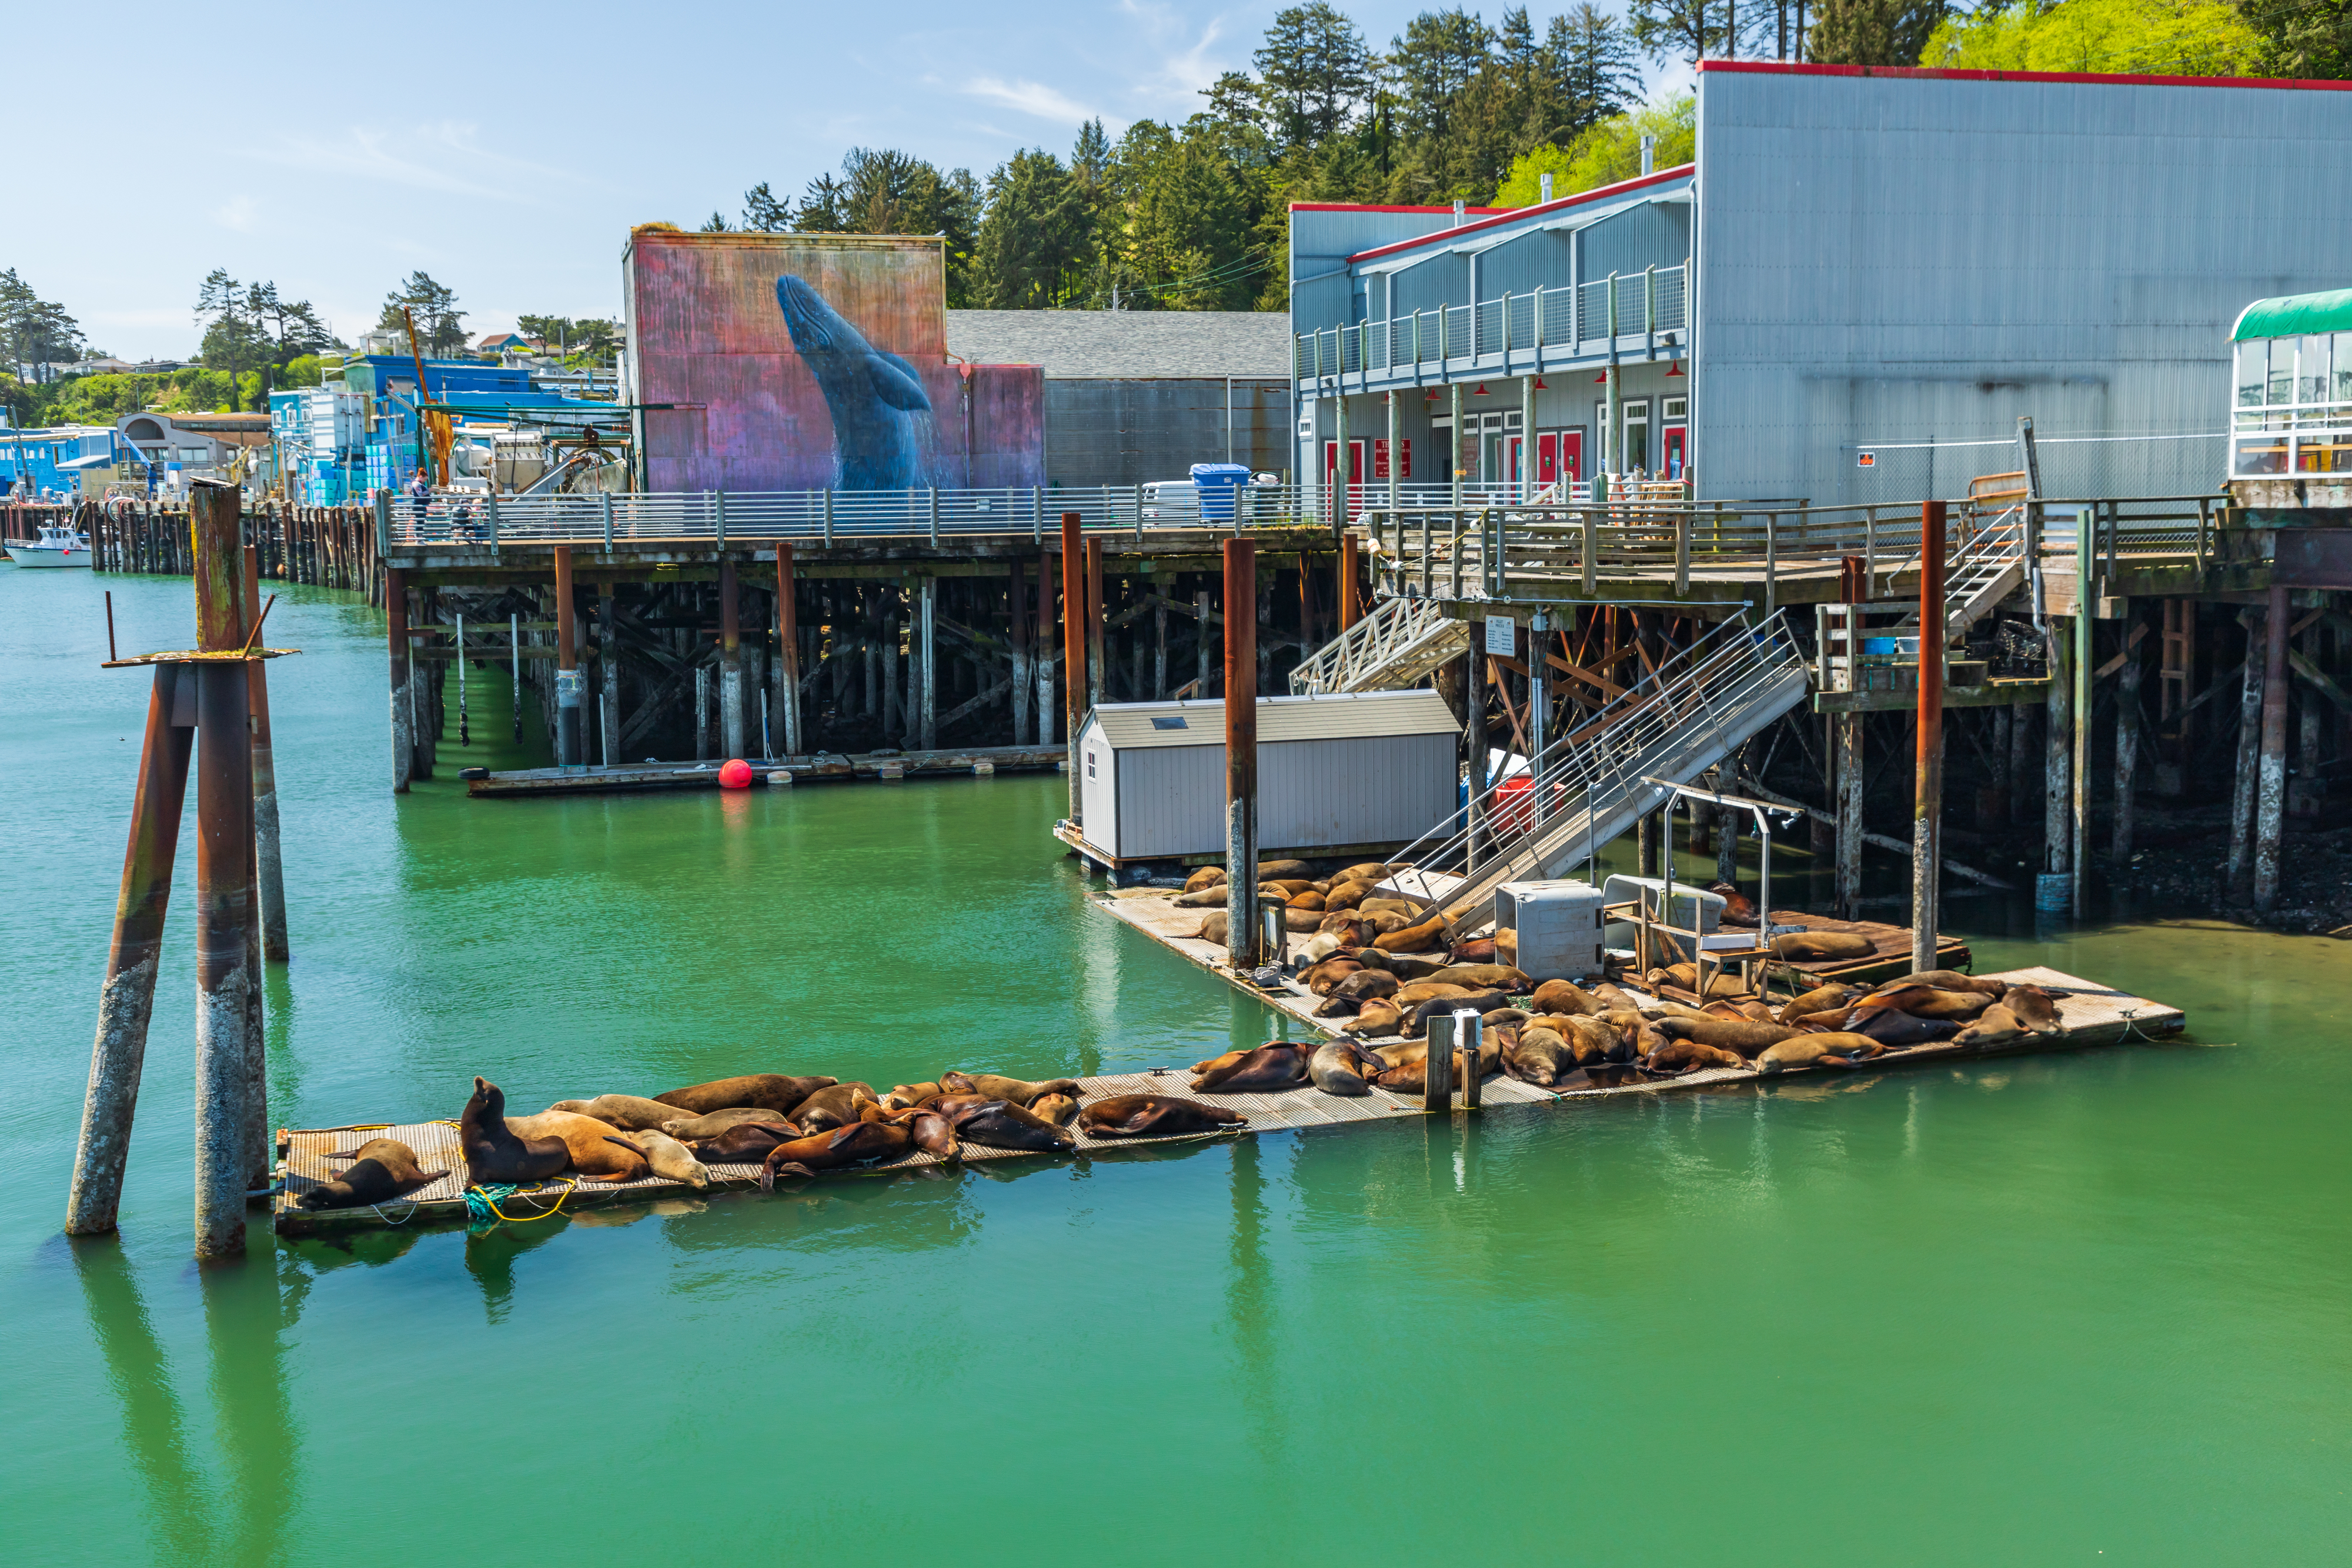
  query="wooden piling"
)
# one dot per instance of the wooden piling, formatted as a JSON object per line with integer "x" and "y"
{"x": 224, "y": 876}
{"x": 269, "y": 870}
{"x": 1350, "y": 608}
{"x": 1073, "y": 647}
{"x": 1042, "y": 658}
{"x": 1097, "y": 670}
{"x": 2270, "y": 804}
{"x": 568, "y": 680}
{"x": 403, "y": 742}
{"x": 608, "y": 673}
{"x": 730, "y": 664}
{"x": 1928, "y": 808}
{"x": 1241, "y": 752}
{"x": 927, "y": 683}
{"x": 127, "y": 999}
{"x": 2057, "y": 756}
{"x": 2078, "y": 810}
{"x": 2127, "y": 723}
{"x": 1016, "y": 616}
{"x": 2252, "y": 700}
{"x": 1437, "y": 1070}
{"x": 788, "y": 645}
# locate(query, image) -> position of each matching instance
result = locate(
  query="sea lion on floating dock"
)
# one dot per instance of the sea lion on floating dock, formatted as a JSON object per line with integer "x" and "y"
{"x": 1000, "y": 1124}
{"x": 1306, "y": 922}
{"x": 1364, "y": 985}
{"x": 2034, "y": 1008}
{"x": 1418, "y": 991}
{"x": 1680, "y": 1056}
{"x": 907, "y": 1096}
{"x": 494, "y": 1153}
{"x": 668, "y": 1158}
{"x": 1746, "y": 1036}
{"x": 1819, "y": 999}
{"x": 1343, "y": 1067}
{"x": 859, "y": 1144}
{"x": 1213, "y": 929}
{"x": 774, "y": 1092}
{"x": 996, "y": 1086}
{"x": 1317, "y": 949}
{"x": 382, "y": 1170}
{"x": 591, "y": 1144}
{"x": 1270, "y": 1069}
{"x": 1822, "y": 946}
{"x": 689, "y": 1129}
{"x": 745, "y": 1144}
{"x": 1738, "y": 909}
{"x": 1369, "y": 871}
{"x": 1922, "y": 1001}
{"x": 836, "y": 1106}
{"x": 1059, "y": 1109}
{"x": 1684, "y": 977}
{"x": 1267, "y": 871}
{"x": 1376, "y": 1017}
{"x": 1207, "y": 876}
{"x": 1483, "y": 976}
{"x": 1480, "y": 1002}
{"x": 1154, "y": 1116}
{"x": 1213, "y": 897}
{"x": 1950, "y": 980}
{"x": 1322, "y": 979}
{"x": 1291, "y": 887}
{"x": 1539, "y": 1056}
{"x": 629, "y": 1112}
{"x": 1564, "y": 997}
{"x": 1832, "y": 1048}
{"x": 1893, "y": 1027}
{"x": 1347, "y": 894}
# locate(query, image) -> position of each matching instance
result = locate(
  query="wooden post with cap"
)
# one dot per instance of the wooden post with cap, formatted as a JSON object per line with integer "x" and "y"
{"x": 1241, "y": 752}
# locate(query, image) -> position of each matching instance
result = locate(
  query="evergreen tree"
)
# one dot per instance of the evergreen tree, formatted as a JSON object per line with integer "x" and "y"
{"x": 440, "y": 324}
{"x": 762, "y": 213}
{"x": 1694, "y": 30}
{"x": 1594, "y": 63}
{"x": 822, "y": 209}
{"x": 1434, "y": 65}
{"x": 1314, "y": 68}
{"x": 33, "y": 330}
{"x": 2304, "y": 38}
{"x": 1037, "y": 238}
{"x": 1873, "y": 32}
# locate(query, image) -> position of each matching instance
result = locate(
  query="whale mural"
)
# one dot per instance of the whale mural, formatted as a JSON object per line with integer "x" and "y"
{"x": 768, "y": 362}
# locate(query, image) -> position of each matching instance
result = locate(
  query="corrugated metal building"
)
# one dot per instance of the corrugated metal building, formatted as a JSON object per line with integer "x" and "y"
{"x": 1135, "y": 396}
{"x": 1367, "y": 767}
{"x": 1890, "y": 267}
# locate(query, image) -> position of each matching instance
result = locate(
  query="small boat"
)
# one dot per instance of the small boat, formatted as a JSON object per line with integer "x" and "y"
{"x": 58, "y": 546}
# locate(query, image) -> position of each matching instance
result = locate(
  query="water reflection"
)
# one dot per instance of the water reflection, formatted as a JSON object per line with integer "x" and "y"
{"x": 153, "y": 1427}
{"x": 245, "y": 1307}
{"x": 1250, "y": 1303}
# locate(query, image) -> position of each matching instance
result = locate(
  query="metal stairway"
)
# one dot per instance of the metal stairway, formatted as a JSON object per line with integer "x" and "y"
{"x": 1401, "y": 641}
{"x": 1699, "y": 706}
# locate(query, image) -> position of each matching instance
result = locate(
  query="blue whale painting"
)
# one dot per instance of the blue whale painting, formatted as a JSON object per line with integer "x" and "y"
{"x": 876, "y": 399}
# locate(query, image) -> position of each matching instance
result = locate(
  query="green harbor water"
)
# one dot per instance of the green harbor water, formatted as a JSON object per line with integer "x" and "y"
{"x": 2078, "y": 1308}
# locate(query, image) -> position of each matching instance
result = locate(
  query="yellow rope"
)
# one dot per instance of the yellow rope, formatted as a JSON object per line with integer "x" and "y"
{"x": 491, "y": 1204}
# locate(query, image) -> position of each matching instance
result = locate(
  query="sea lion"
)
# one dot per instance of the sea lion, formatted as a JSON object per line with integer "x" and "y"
{"x": 1405, "y": 1053}
{"x": 1366, "y": 985}
{"x": 1738, "y": 909}
{"x": 907, "y": 1096}
{"x": 1207, "y": 876}
{"x": 1000, "y": 1124}
{"x": 2034, "y": 1008}
{"x": 1505, "y": 1018}
{"x": 1387, "y": 904}
{"x": 1539, "y": 1056}
{"x": 1410, "y": 1075}
{"x": 1347, "y": 894}
{"x": 1822, "y": 946}
{"x": 595, "y": 1151}
{"x": 494, "y": 1153}
{"x": 1371, "y": 958}
{"x": 1745, "y": 1036}
{"x": 1996, "y": 1025}
{"x": 1319, "y": 948}
{"x": 1893, "y": 1027}
{"x": 382, "y": 1170}
{"x": 1480, "y": 1002}
{"x": 1349, "y": 931}
{"x": 1292, "y": 887}
{"x": 1678, "y": 1056}
{"x": 688, "y": 1129}
{"x": 1307, "y": 920}
{"x": 1427, "y": 936}
{"x": 836, "y": 1106}
{"x": 861, "y": 1143}
{"x": 1952, "y": 980}
{"x": 1213, "y": 897}
{"x": 1374, "y": 1017}
{"x": 933, "y": 1134}
{"x": 1922, "y": 1001}
{"x": 1564, "y": 997}
{"x": 1418, "y": 991}
{"x": 1820, "y": 998}
{"x": 1061, "y": 1110}
{"x": 996, "y": 1086}
{"x": 1381, "y": 922}
{"x": 1154, "y": 1116}
{"x": 1591, "y": 1040}
{"x": 1270, "y": 1069}
{"x": 1325, "y": 977}
{"x": 1684, "y": 977}
{"x": 1213, "y": 929}
{"x": 1369, "y": 871}
{"x": 1341, "y": 1067}
{"x": 668, "y": 1158}
{"x": 745, "y": 1144}
{"x": 1506, "y": 946}
{"x": 1747, "y": 1007}
{"x": 767, "y": 1091}
{"x": 1483, "y": 976}
{"x": 1833, "y": 1048}
{"x": 1267, "y": 871}
{"x": 629, "y": 1112}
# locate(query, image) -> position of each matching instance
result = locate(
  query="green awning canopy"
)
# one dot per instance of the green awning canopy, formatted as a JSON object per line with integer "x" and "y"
{"x": 2295, "y": 313}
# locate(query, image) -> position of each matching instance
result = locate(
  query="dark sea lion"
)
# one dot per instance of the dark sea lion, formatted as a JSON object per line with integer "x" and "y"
{"x": 876, "y": 399}
{"x": 1425, "y": 937}
{"x": 1738, "y": 909}
{"x": 1341, "y": 1067}
{"x": 1268, "y": 1070}
{"x": 1539, "y": 1056}
{"x": 494, "y": 1153}
{"x": 1371, "y": 958}
{"x": 861, "y": 1143}
{"x": 1830, "y": 1048}
{"x": 1745, "y": 1036}
{"x": 688, "y": 1129}
{"x": 1479, "y": 1002}
{"x": 1351, "y": 931}
{"x": 1893, "y": 1027}
{"x": 997, "y": 1087}
{"x": 933, "y": 1134}
{"x": 1820, "y": 998}
{"x": 1002, "y": 1125}
{"x": 1320, "y": 980}
{"x": 1483, "y": 976}
{"x": 595, "y": 1151}
{"x": 1678, "y": 1056}
{"x": 1505, "y": 1018}
{"x": 1154, "y": 1116}
{"x": 382, "y": 1169}
{"x": 2034, "y": 1008}
{"x": 906, "y": 1096}
{"x": 836, "y": 1107}
{"x": 1061, "y": 1110}
{"x": 629, "y": 1112}
{"x": 1367, "y": 985}
{"x": 668, "y": 1158}
{"x": 765, "y": 1091}
{"x": 1207, "y": 876}
{"x": 745, "y": 1143}
{"x": 1822, "y": 946}
{"x": 1375, "y": 1017}
{"x": 1564, "y": 997}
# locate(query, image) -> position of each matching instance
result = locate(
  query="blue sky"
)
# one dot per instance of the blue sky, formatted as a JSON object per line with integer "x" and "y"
{"x": 507, "y": 149}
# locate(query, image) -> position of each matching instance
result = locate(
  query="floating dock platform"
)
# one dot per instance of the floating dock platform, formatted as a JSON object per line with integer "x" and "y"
{"x": 822, "y": 767}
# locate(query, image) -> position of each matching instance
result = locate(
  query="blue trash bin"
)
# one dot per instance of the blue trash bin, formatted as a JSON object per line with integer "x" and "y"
{"x": 1219, "y": 484}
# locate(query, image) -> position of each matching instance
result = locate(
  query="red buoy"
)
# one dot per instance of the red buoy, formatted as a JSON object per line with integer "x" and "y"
{"x": 736, "y": 774}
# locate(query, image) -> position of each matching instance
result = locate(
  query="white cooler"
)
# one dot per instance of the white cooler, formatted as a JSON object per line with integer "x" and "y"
{"x": 1558, "y": 927}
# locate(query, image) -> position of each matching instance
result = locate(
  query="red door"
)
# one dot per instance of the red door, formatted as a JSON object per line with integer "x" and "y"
{"x": 1559, "y": 455}
{"x": 1677, "y": 436}
{"x": 1355, "y": 473}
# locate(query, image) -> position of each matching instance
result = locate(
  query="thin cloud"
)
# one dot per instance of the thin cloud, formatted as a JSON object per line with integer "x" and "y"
{"x": 1029, "y": 97}
{"x": 237, "y": 213}
{"x": 444, "y": 157}
{"x": 1184, "y": 71}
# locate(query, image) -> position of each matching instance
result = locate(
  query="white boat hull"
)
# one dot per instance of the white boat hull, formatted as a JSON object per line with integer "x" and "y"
{"x": 40, "y": 556}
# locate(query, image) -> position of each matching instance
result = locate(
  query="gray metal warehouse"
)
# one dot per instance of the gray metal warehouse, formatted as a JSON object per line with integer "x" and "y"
{"x": 1137, "y": 396}
{"x": 1888, "y": 269}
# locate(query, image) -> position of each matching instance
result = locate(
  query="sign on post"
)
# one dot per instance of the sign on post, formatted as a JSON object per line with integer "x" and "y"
{"x": 1502, "y": 635}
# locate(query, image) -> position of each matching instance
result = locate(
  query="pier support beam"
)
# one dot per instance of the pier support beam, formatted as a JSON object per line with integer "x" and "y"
{"x": 2128, "y": 722}
{"x": 927, "y": 683}
{"x": 730, "y": 664}
{"x": 1352, "y": 608}
{"x": 608, "y": 676}
{"x": 225, "y": 1046}
{"x": 2251, "y": 703}
{"x": 1097, "y": 667}
{"x": 788, "y": 646}
{"x": 569, "y": 681}
{"x": 1016, "y": 615}
{"x": 403, "y": 740}
{"x": 127, "y": 1000}
{"x": 1042, "y": 649}
{"x": 1241, "y": 753}
{"x": 1928, "y": 808}
{"x": 2058, "y": 756}
{"x": 269, "y": 868}
{"x": 1074, "y": 648}
{"x": 2270, "y": 803}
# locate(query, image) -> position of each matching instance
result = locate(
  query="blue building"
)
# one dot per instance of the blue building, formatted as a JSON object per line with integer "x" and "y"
{"x": 52, "y": 461}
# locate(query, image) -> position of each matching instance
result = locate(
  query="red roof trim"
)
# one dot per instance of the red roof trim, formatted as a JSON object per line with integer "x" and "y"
{"x": 1512, "y": 214}
{"x": 1359, "y": 207}
{"x": 1923, "y": 73}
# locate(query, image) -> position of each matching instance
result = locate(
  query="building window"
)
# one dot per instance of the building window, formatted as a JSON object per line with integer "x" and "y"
{"x": 1637, "y": 436}
{"x": 1090, "y": 763}
{"x": 1677, "y": 408}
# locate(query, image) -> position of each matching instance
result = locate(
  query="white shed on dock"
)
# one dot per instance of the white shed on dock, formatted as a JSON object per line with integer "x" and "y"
{"x": 1346, "y": 769}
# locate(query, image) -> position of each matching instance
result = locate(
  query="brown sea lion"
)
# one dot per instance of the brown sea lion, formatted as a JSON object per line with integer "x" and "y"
{"x": 745, "y": 1144}
{"x": 1210, "y": 897}
{"x": 1483, "y": 976}
{"x": 1375, "y": 1017}
{"x": 596, "y": 1151}
{"x": 1425, "y": 937}
{"x": 906, "y": 1096}
{"x": 1369, "y": 871}
{"x": 1268, "y": 871}
{"x": 1738, "y": 909}
{"x": 1341, "y": 1067}
{"x": 1268, "y": 1070}
{"x": 1506, "y": 946}
{"x": 1347, "y": 894}
{"x": 1745, "y": 1036}
{"x": 2034, "y": 1008}
{"x": 1367, "y": 985}
{"x": 1291, "y": 887}
{"x": 1207, "y": 876}
{"x": 1152, "y": 1116}
{"x": 1306, "y": 921}
{"x": 1590, "y": 1040}
{"x": 1996, "y": 1025}
{"x": 1832, "y": 1048}
{"x": 382, "y": 1169}
{"x": 1471, "y": 950}
{"x": 1411, "y": 1074}
{"x": 688, "y": 1129}
{"x": 1820, "y": 998}
{"x": 1539, "y": 1056}
{"x": 933, "y": 1134}
{"x": 666, "y": 1157}
{"x": 1381, "y": 922}
{"x": 1404, "y": 1053}
{"x": 1325, "y": 977}
{"x": 1922, "y": 1001}
{"x": 1952, "y": 980}
{"x": 1684, "y": 977}
{"x": 1481, "y": 1002}
{"x": 1000, "y": 1124}
{"x": 494, "y": 1153}
{"x": 1418, "y": 991}
{"x": 1061, "y": 1110}
{"x": 859, "y": 1144}
{"x": 767, "y": 1091}
{"x": 836, "y": 1106}
{"x": 1352, "y": 932}
{"x": 1389, "y": 903}
{"x": 1822, "y": 946}
{"x": 629, "y": 1112}
{"x": 1213, "y": 929}
{"x": 1564, "y": 997}
{"x": 1678, "y": 1056}
{"x": 996, "y": 1086}
{"x": 1505, "y": 1018}
{"x": 1892, "y": 1026}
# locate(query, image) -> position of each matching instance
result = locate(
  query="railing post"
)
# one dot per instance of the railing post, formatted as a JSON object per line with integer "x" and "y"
{"x": 934, "y": 514}
{"x": 828, "y": 513}
{"x": 719, "y": 538}
{"x": 1036, "y": 513}
{"x": 1682, "y": 553}
{"x": 1585, "y": 548}
{"x": 491, "y": 506}
{"x": 1772, "y": 566}
{"x": 606, "y": 498}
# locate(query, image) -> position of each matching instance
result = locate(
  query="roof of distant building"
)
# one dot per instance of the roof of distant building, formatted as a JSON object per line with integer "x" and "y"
{"x": 1126, "y": 345}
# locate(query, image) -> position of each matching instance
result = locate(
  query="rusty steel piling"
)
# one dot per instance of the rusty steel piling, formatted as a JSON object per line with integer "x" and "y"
{"x": 1241, "y": 753}
{"x": 1927, "y": 810}
{"x": 269, "y": 870}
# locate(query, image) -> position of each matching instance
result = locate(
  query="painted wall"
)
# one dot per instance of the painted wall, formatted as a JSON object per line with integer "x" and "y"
{"x": 854, "y": 389}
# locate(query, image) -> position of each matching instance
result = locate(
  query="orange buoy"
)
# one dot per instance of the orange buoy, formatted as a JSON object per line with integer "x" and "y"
{"x": 735, "y": 775}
